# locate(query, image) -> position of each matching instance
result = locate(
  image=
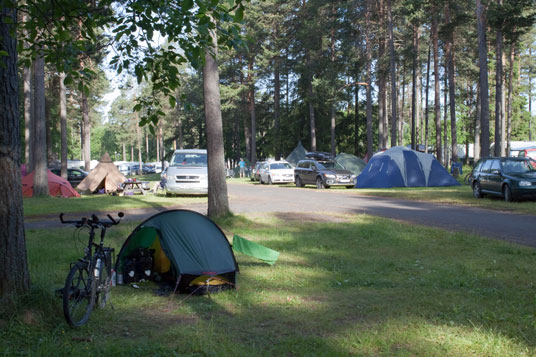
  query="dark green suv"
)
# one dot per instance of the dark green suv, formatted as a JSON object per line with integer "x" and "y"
{"x": 509, "y": 177}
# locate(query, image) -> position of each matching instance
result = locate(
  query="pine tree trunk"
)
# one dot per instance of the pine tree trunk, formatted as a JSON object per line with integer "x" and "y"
{"x": 218, "y": 202}
{"x": 437, "y": 99}
{"x": 28, "y": 110}
{"x": 499, "y": 86}
{"x": 370, "y": 149}
{"x": 381, "y": 73}
{"x": 86, "y": 132}
{"x": 452, "y": 88}
{"x": 14, "y": 275}
{"x": 40, "y": 187}
{"x": 476, "y": 154}
{"x": 253, "y": 119}
{"x": 418, "y": 129}
{"x": 392, "y": 66}
{"x": 63, "y": 125}
{"x": 484, "y": 89}
{"x": 414, "y": 91}
{"x": 427, "y": 103}
{"x": 277, "y": 99}
{"x": 510, "y": 92}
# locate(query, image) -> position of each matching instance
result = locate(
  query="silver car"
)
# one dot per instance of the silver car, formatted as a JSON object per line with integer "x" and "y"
{"x": 276, "y": 172}
{"x": 187, "y": 173}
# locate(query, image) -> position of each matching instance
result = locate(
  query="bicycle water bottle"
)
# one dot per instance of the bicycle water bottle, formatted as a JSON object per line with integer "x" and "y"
{"x": 98, "y": 268}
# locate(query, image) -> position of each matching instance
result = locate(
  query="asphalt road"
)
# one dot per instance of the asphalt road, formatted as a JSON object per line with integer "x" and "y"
{"x": 256, "y": 198}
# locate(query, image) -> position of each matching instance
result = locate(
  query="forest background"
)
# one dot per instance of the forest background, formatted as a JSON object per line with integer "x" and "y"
{"x": 340, "y": 76}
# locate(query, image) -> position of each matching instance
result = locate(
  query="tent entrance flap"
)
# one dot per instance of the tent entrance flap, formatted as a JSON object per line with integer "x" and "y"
{"x": 146, "y": 237}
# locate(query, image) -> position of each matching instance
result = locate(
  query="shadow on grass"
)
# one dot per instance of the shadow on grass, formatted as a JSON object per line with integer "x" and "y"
{"x": 369, "y": 286}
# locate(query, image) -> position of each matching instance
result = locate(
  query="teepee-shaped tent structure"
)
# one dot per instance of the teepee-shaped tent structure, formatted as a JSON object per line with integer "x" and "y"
{"x": 104, "y": 175}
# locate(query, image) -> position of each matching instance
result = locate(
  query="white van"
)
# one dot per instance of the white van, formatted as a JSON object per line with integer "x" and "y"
{"x": 187, "y": 173}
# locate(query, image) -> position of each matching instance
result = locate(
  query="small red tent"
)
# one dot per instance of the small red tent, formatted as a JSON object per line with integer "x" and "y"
{"x": 57, "y": 185}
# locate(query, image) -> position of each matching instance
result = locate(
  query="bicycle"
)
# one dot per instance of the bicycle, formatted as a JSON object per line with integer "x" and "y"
{"x": 90, "y": 278}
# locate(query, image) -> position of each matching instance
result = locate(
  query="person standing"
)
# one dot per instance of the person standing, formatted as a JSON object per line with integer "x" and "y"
{"x": 242, "y": 165}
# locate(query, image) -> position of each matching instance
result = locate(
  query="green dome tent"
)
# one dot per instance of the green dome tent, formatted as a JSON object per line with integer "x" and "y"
{"x": 185, "y": 246}
{"x": 296, "y": 155}
{"x": 351, "y": 162}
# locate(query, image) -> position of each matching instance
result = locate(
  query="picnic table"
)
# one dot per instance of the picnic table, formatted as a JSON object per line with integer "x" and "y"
{"x": 133, "y": 186}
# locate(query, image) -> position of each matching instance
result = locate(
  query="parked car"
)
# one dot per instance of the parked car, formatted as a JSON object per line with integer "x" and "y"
{"x": 528, "y": 152}
{"x": 74, "y": 176}
{"x": 276, "y": 172}
{"x": 187, "y": 173}
{"x": 323, "y": 174}
{"x": 509, "y": 177}
{"x": 255, "y": 174}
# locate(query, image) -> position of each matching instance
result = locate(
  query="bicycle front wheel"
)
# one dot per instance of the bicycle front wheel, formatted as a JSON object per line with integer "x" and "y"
{"x": 104, "y": 281}
{"x": 78, "y": 295}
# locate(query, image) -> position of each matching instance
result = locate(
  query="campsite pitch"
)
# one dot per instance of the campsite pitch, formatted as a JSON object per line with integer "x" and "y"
{"x": 355, "y": 285}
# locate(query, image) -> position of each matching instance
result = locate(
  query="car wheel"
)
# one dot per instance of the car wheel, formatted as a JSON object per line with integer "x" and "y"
{"x": 299, "y": 182}
{"x": 507, "y": 194}
{"x": 319, "y": 183}
{"x": 477, "y": 190}
{"x": 349, "y": 186}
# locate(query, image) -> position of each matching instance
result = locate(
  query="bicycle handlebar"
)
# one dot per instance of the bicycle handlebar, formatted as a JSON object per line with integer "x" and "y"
{"x": 93, "y": 221}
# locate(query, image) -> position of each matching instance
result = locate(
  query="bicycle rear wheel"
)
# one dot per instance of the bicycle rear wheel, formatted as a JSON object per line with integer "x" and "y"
{"x": 78, "y": 295}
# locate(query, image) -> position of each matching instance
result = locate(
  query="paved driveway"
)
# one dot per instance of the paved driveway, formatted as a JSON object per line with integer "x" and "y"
{"x": 255, "y": 198}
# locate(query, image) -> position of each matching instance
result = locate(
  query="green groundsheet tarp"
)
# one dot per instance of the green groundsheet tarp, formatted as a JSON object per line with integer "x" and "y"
{"x": 253, "y": 249}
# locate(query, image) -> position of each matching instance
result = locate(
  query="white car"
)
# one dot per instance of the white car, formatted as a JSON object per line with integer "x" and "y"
{"x": 187, "y": 173}
{"x": 276, "y": 172}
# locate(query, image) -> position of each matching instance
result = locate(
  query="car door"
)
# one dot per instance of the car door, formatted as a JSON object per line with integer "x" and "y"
{"x": 312, "y": 173}
{"x": 495, "y": 176}
{"x": 484, "y": 175}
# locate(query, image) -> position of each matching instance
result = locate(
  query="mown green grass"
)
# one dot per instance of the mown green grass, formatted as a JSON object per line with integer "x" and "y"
{"x": 357, "y": 285}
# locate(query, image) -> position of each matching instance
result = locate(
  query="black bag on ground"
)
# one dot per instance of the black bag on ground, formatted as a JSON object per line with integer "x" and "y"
{"x": 139, "y": 265}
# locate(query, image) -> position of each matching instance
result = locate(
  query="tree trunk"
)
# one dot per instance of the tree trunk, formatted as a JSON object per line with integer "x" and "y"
{"x": 437, "y": 99}
{"x": 86, "y": 134}
{"x": 14, "y": 275}
{"x": 510, "y": 92}
{"x": 392, "y": 66}
{"x": 414, "y": 90}
{"x": 247, "y": 132}
{"x": 427, "y": 104}
{"x": 251, "y": 101}
{"x": 277, "y": 99}
{"x": 332, "y": 103}
{"x": 476, "y": 154}
{"x": 418, "y": 129}
{"x": 484, "y": 90}
{"x": 499, "y": 87}
{"x": 356, "y": 120}
{"x": 40, "y": 187}
{"x": 218, "y": 202}
{"x": 445, "y": 121}
{"x": 138, "y": 139}
{"x": 452, "y": 88}
{"x": 370, "y": 149}
{"x": 402, "y": 106}
{"x": 63, "y": 125}
{"x": 381, "y": 75}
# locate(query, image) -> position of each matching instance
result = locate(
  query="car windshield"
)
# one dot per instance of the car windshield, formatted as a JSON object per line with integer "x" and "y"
{"x": 189, "y": 159}
{"x": 279, "y": 166}
{"x": 518, "y": 167}
{"x": 330, "y": 165}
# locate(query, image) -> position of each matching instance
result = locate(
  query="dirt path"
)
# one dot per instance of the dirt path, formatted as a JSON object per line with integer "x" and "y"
{"x": 311, "y": 204}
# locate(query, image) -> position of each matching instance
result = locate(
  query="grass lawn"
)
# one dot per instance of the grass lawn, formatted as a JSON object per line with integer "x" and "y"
{"x": 356, "y": 285}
